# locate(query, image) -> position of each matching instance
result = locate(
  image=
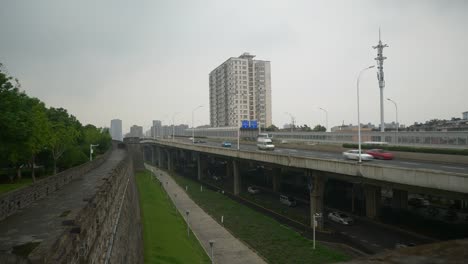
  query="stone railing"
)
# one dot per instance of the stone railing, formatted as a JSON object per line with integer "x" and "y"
{"x": 13, "y": 201}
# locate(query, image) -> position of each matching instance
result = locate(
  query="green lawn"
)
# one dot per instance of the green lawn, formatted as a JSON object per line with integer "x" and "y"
{"x": 6, "y": 187}
{"x": 164, "y": 230}
{"x": 274, "y": 241}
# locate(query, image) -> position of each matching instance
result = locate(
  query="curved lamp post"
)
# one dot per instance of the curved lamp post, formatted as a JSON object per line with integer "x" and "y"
{"x": 358, "y": 117}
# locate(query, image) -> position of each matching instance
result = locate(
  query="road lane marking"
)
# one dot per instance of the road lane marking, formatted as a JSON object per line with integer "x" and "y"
{"x": 410, "y": 163}
{"x": 363, "y": 240}
{"x": 353, "y": 236}
{"x": 451, "y": 167}
{"x": 375, "y": 245}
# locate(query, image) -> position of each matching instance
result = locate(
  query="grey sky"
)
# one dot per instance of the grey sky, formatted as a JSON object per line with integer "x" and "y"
{"x": 145, "y": 60}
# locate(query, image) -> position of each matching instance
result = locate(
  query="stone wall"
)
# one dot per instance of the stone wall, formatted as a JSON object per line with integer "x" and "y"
{"x": 13, "y": 201}
{"x": 106, "y": 230}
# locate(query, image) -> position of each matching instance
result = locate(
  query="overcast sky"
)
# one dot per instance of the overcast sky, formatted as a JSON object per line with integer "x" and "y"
{"x": 144, "y": 60}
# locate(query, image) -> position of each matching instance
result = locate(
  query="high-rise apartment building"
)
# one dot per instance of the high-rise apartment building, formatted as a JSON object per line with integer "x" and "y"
{"x": 240, "y": 89}
{"x": 156, "y": 129}
{"x": 116, "y": 129}
{"x": 136, "y": 131}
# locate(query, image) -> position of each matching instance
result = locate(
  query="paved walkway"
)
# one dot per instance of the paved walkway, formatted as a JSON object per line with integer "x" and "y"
{"x": 41, "y": 221}
{"x": 227, "y": 248}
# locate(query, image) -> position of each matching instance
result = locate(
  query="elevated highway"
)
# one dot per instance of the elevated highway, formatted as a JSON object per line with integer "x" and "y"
{"x": 401, "y": 176}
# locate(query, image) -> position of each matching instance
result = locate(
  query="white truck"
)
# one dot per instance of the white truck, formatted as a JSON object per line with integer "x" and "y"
{"x": 264, "y": 142}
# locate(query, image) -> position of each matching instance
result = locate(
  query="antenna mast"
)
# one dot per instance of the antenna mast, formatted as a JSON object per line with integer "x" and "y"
{"x": 380, "y": 76}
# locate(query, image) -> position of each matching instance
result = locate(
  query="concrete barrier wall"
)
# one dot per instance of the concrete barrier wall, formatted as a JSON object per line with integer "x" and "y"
{"x": 13, "y": 201}
{"x": 108, "y": 228}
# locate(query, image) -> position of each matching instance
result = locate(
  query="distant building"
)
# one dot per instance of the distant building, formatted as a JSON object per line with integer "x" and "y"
{"x": 465, "y": 115}
{"x": 156, "y": 129}
{"x": 455, "y": 124}
{"x": 136, "y": 131}
{"x": 116, "y": 129}
{"x": 240, "y": 89}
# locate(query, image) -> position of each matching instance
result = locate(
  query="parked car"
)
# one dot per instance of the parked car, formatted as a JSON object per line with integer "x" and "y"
{"x": 419, "y": 202}
{"x": 432, "y": 211}
{"x": 216, "y": 178}
{"x": 286, "y": 200}
{"x": 253, "y": 190}
{"x": 354, "y": 155}
{"x": 226, "y": 144}
{"x": 341, "y": 218}
{"x": 451, "y": 215}
{"x": 404, "y": 245}
{"x": 380, "y": 154}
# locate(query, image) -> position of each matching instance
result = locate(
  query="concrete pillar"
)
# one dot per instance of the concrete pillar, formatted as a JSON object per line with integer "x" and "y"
{"x": 236, "y": 177}
{"x": 229, "y": 170}
{"x": 316, "y": 197}
{"x": 170, "y": 160}
{"x": 160, "y": 160}
{"x": 352, "y": 198}
{"x": 152, "y": 155}
{"x": 276, "y": 179}
{"x": 372, "y": 195}
{"x": 201, "y": 166}
{"x": 400, "y": 199}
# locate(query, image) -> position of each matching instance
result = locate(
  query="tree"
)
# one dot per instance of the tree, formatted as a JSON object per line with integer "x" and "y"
{"x": 39, "y": 131}
{"x": 64, "y": 132}
{"x": 319, "y": 128}
{"x": 272, "y": 128}
{"x": 13, "y": 123}
{"x": 306, "y": 128}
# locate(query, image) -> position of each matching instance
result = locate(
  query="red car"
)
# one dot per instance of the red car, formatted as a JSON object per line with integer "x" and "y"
{"x": 380, "y": 154}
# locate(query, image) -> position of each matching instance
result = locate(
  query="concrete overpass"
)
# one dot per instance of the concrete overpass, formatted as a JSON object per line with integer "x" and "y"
{"x": 372, "y": 176}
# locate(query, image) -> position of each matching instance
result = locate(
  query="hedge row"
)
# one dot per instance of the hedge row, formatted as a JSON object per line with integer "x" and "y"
{"x": 463, "y": 152}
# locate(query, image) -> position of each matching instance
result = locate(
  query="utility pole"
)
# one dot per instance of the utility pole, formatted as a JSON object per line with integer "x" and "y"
{"x": 380, "y": 77}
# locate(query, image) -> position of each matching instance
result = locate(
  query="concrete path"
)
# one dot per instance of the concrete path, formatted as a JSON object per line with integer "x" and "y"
{"x": 227, "y": 248}
{"x": 41, "y": 221}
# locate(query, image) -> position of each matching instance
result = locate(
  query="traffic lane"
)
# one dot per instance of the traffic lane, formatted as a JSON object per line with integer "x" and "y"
{"x": 375, "y": 236}
{"x": 332, "y": 155}
{"x": 397, "y": 163}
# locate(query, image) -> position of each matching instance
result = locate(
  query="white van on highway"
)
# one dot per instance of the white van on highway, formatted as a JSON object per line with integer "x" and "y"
{"x": 264, "y": 142}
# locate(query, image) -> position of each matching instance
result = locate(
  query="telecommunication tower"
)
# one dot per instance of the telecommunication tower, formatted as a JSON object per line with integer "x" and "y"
{"x": 380, "y": 76}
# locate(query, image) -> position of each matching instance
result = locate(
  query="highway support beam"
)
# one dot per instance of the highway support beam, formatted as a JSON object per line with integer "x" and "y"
{"x": 170, "y": 160}
{"x": 399, "y": 199}
{"x": 236, "y": 177}
{"x": 201, "y": 166}
{"x": 373, "y": 197}
{"x": 316, "y": 197}
{"x": 276, "y": 179}
{"x": 160, "y": 157}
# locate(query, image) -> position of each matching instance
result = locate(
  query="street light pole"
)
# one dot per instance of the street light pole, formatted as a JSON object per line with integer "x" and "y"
{"x": 396, "y": 110}
{"x": 358, "y": 116}
{"x": 173, "y": 127}
{"x": 193, "y": 127}
{"x": 326, "y": 117}
{"x": 211, "y": 247}
{"x": 314, "y": 224}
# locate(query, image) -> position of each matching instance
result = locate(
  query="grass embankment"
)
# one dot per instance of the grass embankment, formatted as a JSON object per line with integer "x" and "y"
{"x": 164, "y": 230}
{"x": 6, "y": 187}
{"x": 275, "y": 242}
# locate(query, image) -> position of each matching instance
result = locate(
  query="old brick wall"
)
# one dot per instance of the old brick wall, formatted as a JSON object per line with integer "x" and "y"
{"x": 107, "y": 229}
